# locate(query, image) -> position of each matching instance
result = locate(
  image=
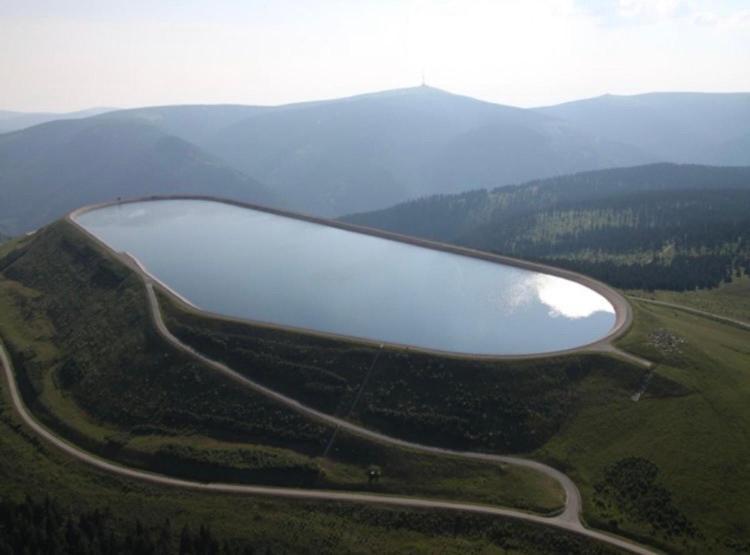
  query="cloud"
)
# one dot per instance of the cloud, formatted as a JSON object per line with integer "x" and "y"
{"x": 733, "y": 21}
{"x": 649, "y": 8}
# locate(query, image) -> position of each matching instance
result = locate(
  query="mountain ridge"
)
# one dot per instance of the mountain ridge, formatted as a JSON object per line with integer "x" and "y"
{"x": 362, "y": 153}
{"x": 52, "y": 168}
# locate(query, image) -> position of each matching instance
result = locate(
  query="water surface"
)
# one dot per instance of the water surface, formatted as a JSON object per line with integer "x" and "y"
{"x": 251, "y": 264}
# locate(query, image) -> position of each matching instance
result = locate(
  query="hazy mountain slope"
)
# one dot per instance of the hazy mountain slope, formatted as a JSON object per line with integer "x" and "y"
{"x": 14, "y": 121}
{"x": 678, "y": 127}
{"x": 360, "y": 153}
{"x": 656, "y": 226}
{"x": 373, "y": 150}
{"x": 735, "y": 152}
{"x": 52, "y": 168}
{"x": 193, "y": 123}
{"x": 7, "y": 114}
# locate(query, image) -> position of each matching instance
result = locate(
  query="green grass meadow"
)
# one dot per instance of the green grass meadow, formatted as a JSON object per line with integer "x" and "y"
{"x": 696, "y": 435}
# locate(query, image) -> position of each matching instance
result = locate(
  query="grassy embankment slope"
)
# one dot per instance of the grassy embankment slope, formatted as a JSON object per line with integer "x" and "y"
{"x": 91, "y": 367}
{"x": 654, "y": 469}
{"x": 731, "y": 300}
{"x": 677, "y": 448}
{"x": 458, "y": 402}
{"x": 30, "y": 468}
{"x": 675, "y": 468}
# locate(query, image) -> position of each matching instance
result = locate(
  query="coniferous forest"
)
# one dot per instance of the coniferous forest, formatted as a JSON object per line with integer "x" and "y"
{"x": 663, "y": 226}
{"x": 45, "y": 527}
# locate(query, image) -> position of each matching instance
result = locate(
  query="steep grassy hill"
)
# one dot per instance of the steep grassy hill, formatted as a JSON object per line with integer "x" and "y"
{"x": 52, "y": 168}
{"x": 91, "y": 366}
{"x": 40, "y": 485}
{"x": 499, "y": 406}
{"x": 666, "y": 469}
{"x": 655, "y": 468}
{"x": 88, "y": 501}
{"x": 658, "y": 226}
{"x": 672, "y": 469}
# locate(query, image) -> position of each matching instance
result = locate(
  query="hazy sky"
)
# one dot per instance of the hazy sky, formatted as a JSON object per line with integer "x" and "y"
{"x": 65, "y": 55}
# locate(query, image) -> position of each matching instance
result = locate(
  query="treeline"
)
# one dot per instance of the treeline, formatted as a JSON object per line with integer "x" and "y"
{"x": 682, "y": 273}
{"x": 449, "y": 217}
{"x": 654, "y": 240}
{"x": 653, "y": 227}
{"x": 44, "y": 527}
{"x": 635, "y": 222}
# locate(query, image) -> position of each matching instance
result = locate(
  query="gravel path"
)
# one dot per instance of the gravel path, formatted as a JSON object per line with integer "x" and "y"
{"x": 696, "y": 311}
{"x": 568, "y": 520}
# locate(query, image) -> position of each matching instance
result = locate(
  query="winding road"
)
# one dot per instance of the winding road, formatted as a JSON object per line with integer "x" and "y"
{"x": 696, "y": 311}
{"x": 568, "y": 520}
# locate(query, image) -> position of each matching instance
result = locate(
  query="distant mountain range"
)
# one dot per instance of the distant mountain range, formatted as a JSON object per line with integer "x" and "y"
{"x": 353, "y": 154}
{"x": 374, "y": 150}
{"x": 50, "y": 169}
{"x": 699, "y": 128}
{"x": 14, "y": 121}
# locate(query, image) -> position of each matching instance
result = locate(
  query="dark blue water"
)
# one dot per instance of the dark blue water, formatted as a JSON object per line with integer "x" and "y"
{"x": 259, "y": 266}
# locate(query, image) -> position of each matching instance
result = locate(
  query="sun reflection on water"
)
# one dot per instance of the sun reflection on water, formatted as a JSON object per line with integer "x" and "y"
{"x": 564, "y": 297}
{"x": 570, "y": 299}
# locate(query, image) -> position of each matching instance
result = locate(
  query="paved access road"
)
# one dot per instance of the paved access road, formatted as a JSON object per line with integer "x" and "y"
{"x": 568, "y": 520}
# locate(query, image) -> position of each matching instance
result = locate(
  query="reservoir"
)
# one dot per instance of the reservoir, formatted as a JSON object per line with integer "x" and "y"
{"x": 265, "y": 267}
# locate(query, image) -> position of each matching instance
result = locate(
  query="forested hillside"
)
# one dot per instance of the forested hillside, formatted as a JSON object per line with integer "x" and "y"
{"x": 659, "y": 226}
{"x": 35, "y": 526}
